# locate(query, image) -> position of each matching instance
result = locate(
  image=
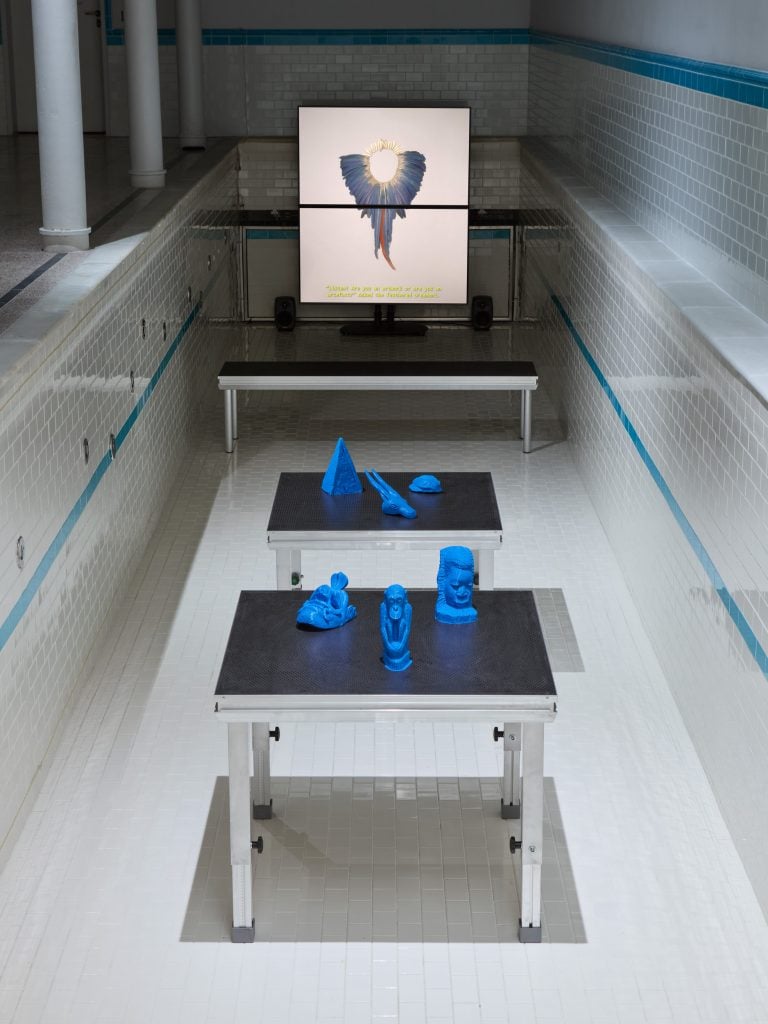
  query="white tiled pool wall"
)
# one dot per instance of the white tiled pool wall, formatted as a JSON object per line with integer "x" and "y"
{"x": 255, "y": 90}
{"x": 705, "y": 430}
{"x": 83, "y": 391}
{"x": 689, "y": 167}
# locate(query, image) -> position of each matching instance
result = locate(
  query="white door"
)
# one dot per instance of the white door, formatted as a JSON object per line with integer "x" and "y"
{"x": 91, "y": 67}
{"x": 23, "y": 66}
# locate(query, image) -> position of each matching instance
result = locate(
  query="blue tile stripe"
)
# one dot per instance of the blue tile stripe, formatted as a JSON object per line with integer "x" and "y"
{"x": 744, "y": 85}
{"x": 728, "y": 81}
{"x": 341, "y": 36}
{"x": 272, "y": 233}
{"x": 26, "y": 597}
{"x": 737, "y": 616}
{"x": 482, "y": 233}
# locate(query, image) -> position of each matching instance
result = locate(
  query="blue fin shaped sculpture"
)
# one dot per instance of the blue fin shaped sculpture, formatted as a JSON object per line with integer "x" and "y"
{"x": 393, "y": 504}
{"x": 341, "y": 476}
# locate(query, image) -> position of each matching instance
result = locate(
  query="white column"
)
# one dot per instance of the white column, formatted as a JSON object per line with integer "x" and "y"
{"x": 189, "y": 60}
{"x": 60, "y": 125}
{"x": 145, "y": 125}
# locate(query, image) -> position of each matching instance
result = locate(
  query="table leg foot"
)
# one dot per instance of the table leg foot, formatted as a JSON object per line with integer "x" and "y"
{"x": 510, "y": 810}
{"x": 531, "y": 933}
{"x": 527, "y": 416}
{"x": 244, "y": 933}
{"x": 262, "y": 811}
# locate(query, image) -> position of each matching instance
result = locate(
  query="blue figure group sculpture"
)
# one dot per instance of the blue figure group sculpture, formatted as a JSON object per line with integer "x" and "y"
{"x": 393, "y": 504}
{"x": 328, "y": 606}
{"x": 425, "y": 484}
{"x": 455, "y": 579}
{"x": 395, "y": 613}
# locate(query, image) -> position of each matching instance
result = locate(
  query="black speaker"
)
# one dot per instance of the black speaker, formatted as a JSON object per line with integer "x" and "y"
{"x": 482, "y": 312}
{"x": 285, "y": 313}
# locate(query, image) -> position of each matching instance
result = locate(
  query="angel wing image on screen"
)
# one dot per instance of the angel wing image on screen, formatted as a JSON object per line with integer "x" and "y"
{"x": 384, "y": 199}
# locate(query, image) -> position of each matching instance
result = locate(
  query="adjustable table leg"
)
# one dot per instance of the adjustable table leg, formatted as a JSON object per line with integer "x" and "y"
{"x": 485, "y": 569}
{"x": 510, "y": 785}
{"x": 532, "y": 819}
{"x": 229, "y": 416}
{"x": 527, "y": 414}
{"x": 288, "y": 568}
{"x": 243, "y": 929}
{"x": 260, "y": 785}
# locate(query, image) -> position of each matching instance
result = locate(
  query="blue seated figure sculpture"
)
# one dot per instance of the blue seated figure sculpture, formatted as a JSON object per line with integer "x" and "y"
{"x": 425, "y": 484}
{"x": 393, "y": 504}
{"x": 395, "y": 613}
{"x": 455, "y": 578}
{"x": 328, "y": 606}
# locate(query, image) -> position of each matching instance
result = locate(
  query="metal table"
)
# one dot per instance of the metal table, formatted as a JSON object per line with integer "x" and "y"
{"x": 494, "y": 668}
{"x": 304, "y": 517}
{"x": 377, "y": 375}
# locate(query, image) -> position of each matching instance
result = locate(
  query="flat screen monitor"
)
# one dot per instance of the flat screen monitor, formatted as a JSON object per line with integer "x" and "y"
{"x": 383, "y": 204}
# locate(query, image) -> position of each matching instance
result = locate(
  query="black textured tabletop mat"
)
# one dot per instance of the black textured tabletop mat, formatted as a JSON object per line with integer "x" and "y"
{"x": 467, "y": 502}
{"x": 502, "y": 652}
{"x": 379, "y": 368}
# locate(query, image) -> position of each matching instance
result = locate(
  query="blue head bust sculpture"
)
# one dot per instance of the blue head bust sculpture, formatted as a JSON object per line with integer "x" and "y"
{"x": 327, "y": 606}
{"x": 395, "y": 621}
{"x": 455, "y": 578}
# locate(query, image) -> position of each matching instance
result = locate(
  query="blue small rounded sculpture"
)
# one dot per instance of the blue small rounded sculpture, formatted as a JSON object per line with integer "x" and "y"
{"x": 455, "y": 579}
{"x": 425, "y": 484}
{"x": 395, "y": 613}
{"x": 393, "y": 504}
{"x": 328, "y": 606}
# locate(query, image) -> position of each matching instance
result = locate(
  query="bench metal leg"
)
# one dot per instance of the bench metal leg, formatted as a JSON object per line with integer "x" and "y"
{"x": 229, "y": 416}
{"x": 288, "y": 568}
{"x": 485, "y": 569}
{"x": 522, "y": 413}
{"x": 260, "y": 784}
{"x": 235, "y": 434}
{"x": 527, "y": 412}
{"x": 243, "y": 929}
{"x": 532, "y": 819}
{"x": 510, "y": 784}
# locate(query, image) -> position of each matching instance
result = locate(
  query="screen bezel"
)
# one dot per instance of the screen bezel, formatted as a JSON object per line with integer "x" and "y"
{"x": 302, "y": 205}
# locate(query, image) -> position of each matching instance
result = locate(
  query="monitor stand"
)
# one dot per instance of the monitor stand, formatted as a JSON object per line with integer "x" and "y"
{"x": 378, "y": 328}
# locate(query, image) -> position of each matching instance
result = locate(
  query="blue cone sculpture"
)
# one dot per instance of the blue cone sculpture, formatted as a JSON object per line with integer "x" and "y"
{"x": 341, "y": 476}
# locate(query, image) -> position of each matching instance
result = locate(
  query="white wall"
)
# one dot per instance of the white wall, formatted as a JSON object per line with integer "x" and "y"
{"x": 256, "y": 90}
{"x": 686, "y": 165}
{"x": 72, "y": 383}
{"x": 710, "y": 30}
{"x": 704, "y": 428}
{"x": 346, "y": 14}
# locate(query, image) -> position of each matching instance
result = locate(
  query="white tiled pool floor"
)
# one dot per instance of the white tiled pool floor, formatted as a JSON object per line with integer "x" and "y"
{"x": 389, "y": 895}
